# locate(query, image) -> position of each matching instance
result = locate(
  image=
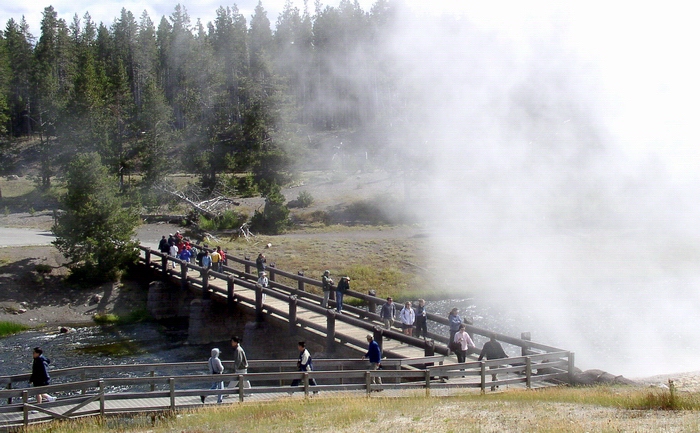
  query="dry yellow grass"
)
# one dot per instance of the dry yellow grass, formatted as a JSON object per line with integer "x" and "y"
{"x": 549, "y": 410}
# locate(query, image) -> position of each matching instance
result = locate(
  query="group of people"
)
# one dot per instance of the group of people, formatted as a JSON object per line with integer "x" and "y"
{"x": 304, "y": 364}
{"x": 340, "y": 290}
{"x": 176, "y": 245}
{"x": 414, "y": 322}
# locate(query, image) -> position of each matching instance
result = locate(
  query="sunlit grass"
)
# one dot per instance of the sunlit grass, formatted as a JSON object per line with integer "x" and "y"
{"x": 9, "y": 328}
{"x": 546, "y": 410}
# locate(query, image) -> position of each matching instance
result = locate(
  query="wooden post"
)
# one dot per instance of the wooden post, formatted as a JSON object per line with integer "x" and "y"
{"x": 368, "y": 382}
{"x": 9, "y": 399}
{"x": 25, "y": 407}
{"x": 102, "y": 397}
{"x": 378, "y": 335}
{"x": 300, "y": 283}
{"x": 306, "y": 385}
{"x": 483, "y": 377}
{"x": 571, "y": 367}
{"x": 528, "y": 372}
{"x": 171, "y": 381}
{"x": 183, "y": 275}
{"x": 259, "y": 304}
{"x": 164, "y": 266}
{"x": 271, "y": 271}
{"x": 371, "y": 305}
{"x": 524, "y": 350}
{"x": 292, "y": 314}
{"x": 148, "y": 258}
{"x": 427, "y": 382}
{"x": 247, "y": 265}
{"x": 330, "y": 329}
{"x": 429, "y": 348}
{"x": 241, "y": 387}
{"x": 229, "y": 294}
{"x": 153, "y": 384}
{"x": 83, "y": 378}
{"x": 205, "y": 284}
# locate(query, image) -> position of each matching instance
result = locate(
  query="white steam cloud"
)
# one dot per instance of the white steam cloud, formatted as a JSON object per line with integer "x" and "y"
{"x": 540, "y": 201}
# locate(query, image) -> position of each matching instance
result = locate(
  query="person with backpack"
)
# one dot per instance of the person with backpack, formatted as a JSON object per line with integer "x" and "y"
{"x": 327, "y": 286}
{"x": 305, "y": 363}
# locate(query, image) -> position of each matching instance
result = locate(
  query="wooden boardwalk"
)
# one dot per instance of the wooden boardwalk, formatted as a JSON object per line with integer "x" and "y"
{"x": 129, "y": 389}
{"x": 410, "y": 365}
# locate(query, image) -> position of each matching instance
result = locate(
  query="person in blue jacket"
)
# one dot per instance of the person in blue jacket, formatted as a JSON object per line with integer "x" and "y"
{"x": 374, "y": 355}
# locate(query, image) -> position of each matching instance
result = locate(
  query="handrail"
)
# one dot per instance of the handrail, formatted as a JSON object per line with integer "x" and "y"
{"x": 525, "y": 345}
{"x": 525, "y": 370}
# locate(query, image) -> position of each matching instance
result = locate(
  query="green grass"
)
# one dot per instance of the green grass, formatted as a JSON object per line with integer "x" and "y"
{"x": 546, "y": 410}
{"x": 139, "y": 315}
{"x": 9, "y": 328}
{"x": 382, "y": 264}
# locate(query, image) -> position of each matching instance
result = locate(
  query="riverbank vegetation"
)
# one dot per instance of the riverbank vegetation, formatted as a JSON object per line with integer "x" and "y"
{"x": 558, "y": 409}
{"x": 9, "y": 328}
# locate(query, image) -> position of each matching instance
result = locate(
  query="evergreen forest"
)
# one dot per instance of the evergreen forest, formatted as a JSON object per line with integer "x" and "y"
{"x": 238, "y": 101}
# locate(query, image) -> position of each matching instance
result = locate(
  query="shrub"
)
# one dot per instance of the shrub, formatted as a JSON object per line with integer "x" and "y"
{"x": 9, "y": 328}
{"x": 227, "y": 220}
{"x": 274, "y": 218}
{"x": 305, "y": 199}
{"x": 43, "y": 268}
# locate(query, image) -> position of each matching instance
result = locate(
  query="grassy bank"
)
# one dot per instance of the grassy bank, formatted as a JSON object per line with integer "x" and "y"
{"x": 9, "y": 328}
{"x": 386, "y": 259}
{"x": 546, "y": 410}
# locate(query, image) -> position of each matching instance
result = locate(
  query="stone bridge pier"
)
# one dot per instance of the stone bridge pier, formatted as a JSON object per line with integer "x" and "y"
{"x": 208, "y": 321}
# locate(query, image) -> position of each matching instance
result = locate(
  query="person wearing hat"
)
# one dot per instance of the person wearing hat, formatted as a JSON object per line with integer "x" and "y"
{"x": 340, "y": 291}
{"x": 263, "y": 282}
{"x": 374, "y": 355}
{"x": 215, "y": 367}
{"x": 327, "y": 286}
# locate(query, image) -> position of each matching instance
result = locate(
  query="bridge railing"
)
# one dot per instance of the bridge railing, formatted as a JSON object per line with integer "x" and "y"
{"x": 171, "y": 391}
{"x": 300, "y": 296}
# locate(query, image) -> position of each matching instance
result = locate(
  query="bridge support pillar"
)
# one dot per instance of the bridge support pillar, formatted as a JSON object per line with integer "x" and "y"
{"x": 162, "y": 301}
{"x": 292, "y": 315}
{"x": 330, "y": 329}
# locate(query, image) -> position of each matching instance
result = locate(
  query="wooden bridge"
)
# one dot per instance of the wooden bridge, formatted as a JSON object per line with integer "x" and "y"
{"x": 410, "y": 364}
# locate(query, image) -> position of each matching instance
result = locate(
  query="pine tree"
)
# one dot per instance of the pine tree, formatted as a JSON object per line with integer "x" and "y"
{"x": 95, "y": 231}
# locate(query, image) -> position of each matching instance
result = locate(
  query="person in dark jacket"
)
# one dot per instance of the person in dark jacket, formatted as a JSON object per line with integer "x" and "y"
{"x": 340, "y": 291}
{"x": 40, "y": 373}
{"x": 260, "y": 263}
{"x": 374, "y": 355}
{"x": 163, "y": 246}
{"x": 305, "y": 363}
{"x": 492, "y": 350}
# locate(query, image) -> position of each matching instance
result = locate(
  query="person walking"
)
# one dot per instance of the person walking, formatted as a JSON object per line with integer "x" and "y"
{"x": 462, "y": 344}
{"x": 215, "y": 367}
{"x": 40, "y": 374}
{"x": 492, "y": 350}
{"x": 304, "y": 364}
{"x": 374, "y": 355}
{"x": 327, "y": 287}
{"x": 206, "y": 262}
{"x": 215, "y": 260}
{"x": 340, "y": 291}
{"x": 388, "y": 313}
{"x": 421, "y": 323}
{"x": 222, "y": 259}
{"x": 240, "y": 361}
{"x": 455, "y": 320}
{"x": 163, "y": 246}
{"x": 260, "y": 263}
{"x": 408, "y": 318}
